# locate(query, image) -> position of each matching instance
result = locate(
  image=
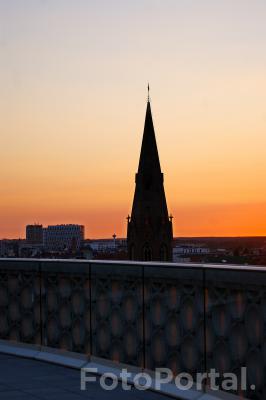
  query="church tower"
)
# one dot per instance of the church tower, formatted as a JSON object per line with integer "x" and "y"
{"x": 149, "y": 229}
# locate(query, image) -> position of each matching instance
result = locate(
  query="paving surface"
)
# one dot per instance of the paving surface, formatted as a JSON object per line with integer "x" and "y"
{"x": 25, "y": 379}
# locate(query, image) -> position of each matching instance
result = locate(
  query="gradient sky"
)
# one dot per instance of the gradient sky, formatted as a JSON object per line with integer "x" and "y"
{"x": 73, "y": 78}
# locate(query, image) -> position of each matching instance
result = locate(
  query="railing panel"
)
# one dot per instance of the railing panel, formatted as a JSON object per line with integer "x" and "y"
{"x": 20, "y": 301}
{"x": 66, "y": 306}
{"x": 174, "y": 319}
{"x": 117, "y": 318}
{"x": 236, "y": 327}
{"x": 187, "y": 318}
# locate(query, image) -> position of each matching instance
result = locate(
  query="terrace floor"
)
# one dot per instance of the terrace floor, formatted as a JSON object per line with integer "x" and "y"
{"x": 26, "y": 379}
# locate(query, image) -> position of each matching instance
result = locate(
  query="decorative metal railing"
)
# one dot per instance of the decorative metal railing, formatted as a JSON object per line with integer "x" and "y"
{"x": 187, "y": 317}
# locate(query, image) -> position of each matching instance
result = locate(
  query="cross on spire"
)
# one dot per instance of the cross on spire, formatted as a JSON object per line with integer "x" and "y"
{"x": 148, "y": 92}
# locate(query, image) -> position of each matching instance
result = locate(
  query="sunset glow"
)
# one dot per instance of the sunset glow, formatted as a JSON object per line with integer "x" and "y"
{"x": 73, "y": 98}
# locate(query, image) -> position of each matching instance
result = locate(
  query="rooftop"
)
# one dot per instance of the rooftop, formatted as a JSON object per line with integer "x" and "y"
{"x": 26, "y": 379}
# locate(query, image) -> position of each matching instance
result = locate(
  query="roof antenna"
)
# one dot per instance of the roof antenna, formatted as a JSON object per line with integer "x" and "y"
{"x": 148, "y": 92}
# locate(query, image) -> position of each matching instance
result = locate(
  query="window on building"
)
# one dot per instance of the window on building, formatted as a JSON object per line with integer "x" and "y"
{"x": 163, "y": 252}
{"x": 147, "y": 255}
{"x": 132, "y": 252}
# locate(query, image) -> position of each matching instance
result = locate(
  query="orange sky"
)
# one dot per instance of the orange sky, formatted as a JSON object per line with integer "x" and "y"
{"x": 73, "y": 97}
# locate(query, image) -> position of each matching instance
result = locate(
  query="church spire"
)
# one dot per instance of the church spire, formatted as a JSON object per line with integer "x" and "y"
{"x": 149, "y": 157}
{"x": 149, "y": 235}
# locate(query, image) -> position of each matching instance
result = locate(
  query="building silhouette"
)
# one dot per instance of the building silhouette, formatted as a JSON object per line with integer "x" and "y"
{"x": 34, "y": 234}
{"x": 149, "y": 228}
{"x": 63, "y": 237}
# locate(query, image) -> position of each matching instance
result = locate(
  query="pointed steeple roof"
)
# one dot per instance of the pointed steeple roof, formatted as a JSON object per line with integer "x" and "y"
{"x": 149, "y": 157}
{"x": 149, "y": 229}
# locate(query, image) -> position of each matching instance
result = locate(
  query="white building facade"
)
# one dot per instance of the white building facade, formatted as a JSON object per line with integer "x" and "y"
{"x": 63, "y": 237}
{"x": 182, "y": 253}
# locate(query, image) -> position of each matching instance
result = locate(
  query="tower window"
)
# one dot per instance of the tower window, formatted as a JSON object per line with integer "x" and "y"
{"x": 163, "y": 253}
{"x": 147, "y": 256}
{"x": 132, "y": 252}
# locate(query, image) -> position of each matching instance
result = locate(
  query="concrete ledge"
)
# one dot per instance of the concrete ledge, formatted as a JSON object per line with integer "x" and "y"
{"x": 61, "y": 357}
{"x": 19, "y": 349}
{"x": 79, "y": 361}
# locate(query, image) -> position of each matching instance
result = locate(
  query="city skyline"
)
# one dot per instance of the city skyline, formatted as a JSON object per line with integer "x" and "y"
{"x": 72, "y": 110}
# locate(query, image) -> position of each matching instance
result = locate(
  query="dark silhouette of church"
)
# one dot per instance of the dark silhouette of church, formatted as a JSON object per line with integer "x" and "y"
{"x": 149, "y": 229}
